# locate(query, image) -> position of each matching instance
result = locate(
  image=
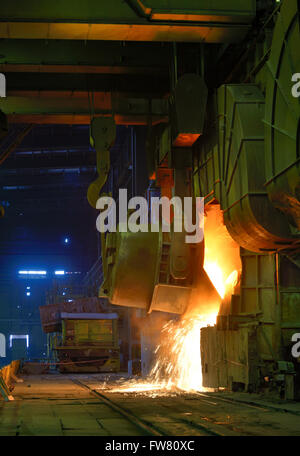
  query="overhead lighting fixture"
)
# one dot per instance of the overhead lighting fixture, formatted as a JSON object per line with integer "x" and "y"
{"x": 28, "y": 293}
{"x": 59, "y": 272}
{"x": 31, "y": 272}
{"x": 19, "y": 336}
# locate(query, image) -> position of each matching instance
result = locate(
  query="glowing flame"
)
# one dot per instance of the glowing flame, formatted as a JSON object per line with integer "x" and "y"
{"x": 178, "y": 357}
{"x": 216, "y": 275}
{"x": 222, "y": 255}
{"x": 232, "y": 280}
{"x": 178, "y": 361}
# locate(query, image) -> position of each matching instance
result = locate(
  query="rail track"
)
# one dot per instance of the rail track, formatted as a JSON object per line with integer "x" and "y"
{"x": 188, "y": 426}
{"x": 201, "y": 422}
{"x": 100, "y": 405}
{"x": 148, "y": 428}
{"x": 250, "y": 404}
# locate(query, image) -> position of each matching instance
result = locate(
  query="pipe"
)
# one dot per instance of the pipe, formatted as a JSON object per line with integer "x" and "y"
{"x": 140, "y": 8}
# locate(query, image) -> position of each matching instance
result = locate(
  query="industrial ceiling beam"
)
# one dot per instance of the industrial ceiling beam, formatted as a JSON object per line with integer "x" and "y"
{"x": 10, "y": 183}
{"x": 37, "y": 167}
{"x": 153, "y": 86}
{"x": 78, "y": 107}
{"x": 65, "y": 56}
{"x": 79, "y": 69}
{"x": 154, "y": 20}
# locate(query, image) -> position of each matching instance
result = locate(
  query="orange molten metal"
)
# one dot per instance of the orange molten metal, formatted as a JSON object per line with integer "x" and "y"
{"x": 178, "y": 360}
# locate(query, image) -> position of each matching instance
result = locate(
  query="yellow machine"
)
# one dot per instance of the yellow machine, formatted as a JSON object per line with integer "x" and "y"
{"x": 89, "y": 343}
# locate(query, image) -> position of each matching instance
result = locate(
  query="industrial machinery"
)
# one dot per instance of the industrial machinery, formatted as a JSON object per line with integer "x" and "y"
{"x": 248, "y": 162}
{"x": 158, "y": 270}
{"x": 89, "y": 343}
{"x": 82, "y": 336}
{"x": 238, "y": 147}
{"x": 224, "y": 127}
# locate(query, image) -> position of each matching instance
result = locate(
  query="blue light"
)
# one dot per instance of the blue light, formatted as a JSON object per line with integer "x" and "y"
{"x": 19, "y": 336}
{"x": 67, "y": 240}
{"x": 59, "y": 273}
{"x": 28, "y": 293}
{"x": 27, "y": 288}
{"x": 32, "y": 272}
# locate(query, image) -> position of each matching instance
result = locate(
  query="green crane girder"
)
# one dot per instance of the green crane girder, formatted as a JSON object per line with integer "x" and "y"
{"x": 70, "y": 107}
{"x": 154, "y": 20}
{"x": 66, "y": 56}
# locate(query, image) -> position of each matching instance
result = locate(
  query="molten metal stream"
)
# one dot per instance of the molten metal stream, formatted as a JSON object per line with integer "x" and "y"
{"x": 178, "y": 358}
{"x": 177, "y": 364}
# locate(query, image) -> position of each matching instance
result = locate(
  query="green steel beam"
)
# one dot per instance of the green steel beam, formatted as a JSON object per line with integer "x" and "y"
{"x": 148, "y": 85}
{"x": 76, "y": 56}
{"x": 71, "y": 107}
{"x": 125, "y": 11}
{"x": 151, "y": 20}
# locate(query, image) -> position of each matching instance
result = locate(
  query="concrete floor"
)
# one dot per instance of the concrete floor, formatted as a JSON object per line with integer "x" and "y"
{"x": 54, "y": 405}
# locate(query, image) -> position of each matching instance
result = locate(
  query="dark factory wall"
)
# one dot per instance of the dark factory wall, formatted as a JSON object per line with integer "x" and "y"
{"x": 34, "y": 242}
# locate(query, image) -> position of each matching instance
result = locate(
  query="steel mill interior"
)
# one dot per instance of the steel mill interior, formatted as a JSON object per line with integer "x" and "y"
{"x": 150, "y": 218}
